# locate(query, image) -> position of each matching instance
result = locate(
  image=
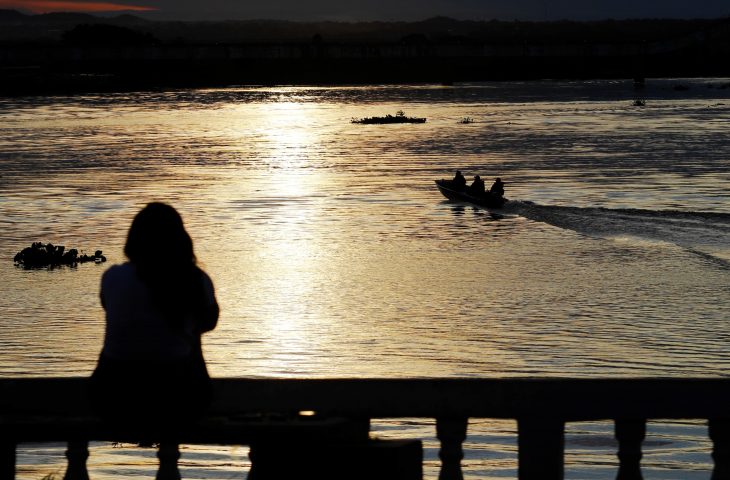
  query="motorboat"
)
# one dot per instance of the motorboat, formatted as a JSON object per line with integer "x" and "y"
{"x": 452, "y": 192}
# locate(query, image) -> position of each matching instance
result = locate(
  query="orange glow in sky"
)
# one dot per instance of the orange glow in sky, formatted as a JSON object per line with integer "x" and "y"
{"x": 45, "y": 6}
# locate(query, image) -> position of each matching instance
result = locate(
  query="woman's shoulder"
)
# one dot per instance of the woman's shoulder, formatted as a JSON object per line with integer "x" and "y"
{"x": 205, "y": 277}
{"x": 120, "y": 269}
{"x": 120, "y": 272}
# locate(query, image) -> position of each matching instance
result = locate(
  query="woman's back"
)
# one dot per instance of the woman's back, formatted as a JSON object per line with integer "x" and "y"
{"x": 136, "y": 328}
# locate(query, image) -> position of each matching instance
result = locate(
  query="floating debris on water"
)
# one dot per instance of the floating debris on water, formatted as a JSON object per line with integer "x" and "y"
{"x": 399, "y": 117}
{"x": 40, "y": 255}
{"x": 639, "y": 102}
{"x": 466, "y": 120}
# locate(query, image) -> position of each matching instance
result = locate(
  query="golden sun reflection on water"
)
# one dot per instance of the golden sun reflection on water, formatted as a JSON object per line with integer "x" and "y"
{"x": 284, "y": 128}
{"x": 275, "y": 212}
{"x": 291, "y": 273}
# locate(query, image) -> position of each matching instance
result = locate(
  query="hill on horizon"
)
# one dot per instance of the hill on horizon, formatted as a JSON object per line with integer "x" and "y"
{"x": 18, "y": 27}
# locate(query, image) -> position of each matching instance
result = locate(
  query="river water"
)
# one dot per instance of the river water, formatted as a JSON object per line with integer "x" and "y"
{"x": 334, "y": 255}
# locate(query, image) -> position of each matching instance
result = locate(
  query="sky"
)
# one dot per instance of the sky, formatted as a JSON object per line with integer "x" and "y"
{"x": 366, "y": 10}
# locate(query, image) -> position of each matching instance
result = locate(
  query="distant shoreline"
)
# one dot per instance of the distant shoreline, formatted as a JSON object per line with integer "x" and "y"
{"x": 76, "y": 53}
{"x": 61, "y": 69}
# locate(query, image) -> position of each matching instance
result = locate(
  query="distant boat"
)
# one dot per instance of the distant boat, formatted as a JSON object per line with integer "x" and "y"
{"x": 399, "y": 117}
{"x": 488, "y": 200}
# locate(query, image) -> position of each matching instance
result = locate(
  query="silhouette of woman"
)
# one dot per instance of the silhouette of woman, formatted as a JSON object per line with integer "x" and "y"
{"x": 151, "y": 368}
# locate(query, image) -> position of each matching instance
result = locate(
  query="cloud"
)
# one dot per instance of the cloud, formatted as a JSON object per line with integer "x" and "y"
{"x": 46, "y": 6}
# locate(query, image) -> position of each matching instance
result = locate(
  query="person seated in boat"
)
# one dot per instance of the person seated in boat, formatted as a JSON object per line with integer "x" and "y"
{"x": 459, "y": 182}
{"x": 477, "y": 186}
{"x": 497, "y": 188}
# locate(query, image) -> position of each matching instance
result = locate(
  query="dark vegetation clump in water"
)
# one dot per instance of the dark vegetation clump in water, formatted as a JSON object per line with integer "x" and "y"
{"x": 399, "y": 117}
{"x": 40, "y": 255}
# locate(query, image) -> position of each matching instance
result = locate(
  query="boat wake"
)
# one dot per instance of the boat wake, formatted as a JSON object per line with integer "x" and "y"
{"x": 703, "y": 233}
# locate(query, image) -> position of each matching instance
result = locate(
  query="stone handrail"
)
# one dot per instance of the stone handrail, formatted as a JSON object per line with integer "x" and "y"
{"x": 53, "y": 409}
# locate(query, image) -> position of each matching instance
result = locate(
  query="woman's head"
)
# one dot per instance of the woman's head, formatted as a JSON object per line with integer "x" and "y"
{"x": 162, "y": 252}
{"x": 158, "y": 236}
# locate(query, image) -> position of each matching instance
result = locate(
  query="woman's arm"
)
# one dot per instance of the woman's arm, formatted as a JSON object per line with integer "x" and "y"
{"x": 209, "y": 318}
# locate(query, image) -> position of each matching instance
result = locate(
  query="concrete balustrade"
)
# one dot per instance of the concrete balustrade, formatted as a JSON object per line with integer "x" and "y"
{"x": 265, "y": 413}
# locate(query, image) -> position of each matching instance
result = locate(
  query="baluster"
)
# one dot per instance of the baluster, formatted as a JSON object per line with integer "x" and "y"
{"x": 630, "y": 434}
{"x": 76, "y": 454}
{"x": 719, "y": 430}
{"x": 541, "y": 444}
{"x": 168, "y": 454}
{"x": 7, "y": 460}
{"x": 451, "y": 432}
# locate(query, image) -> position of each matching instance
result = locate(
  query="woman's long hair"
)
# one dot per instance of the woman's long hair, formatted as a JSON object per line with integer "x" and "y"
{"x": 162, "y": 251}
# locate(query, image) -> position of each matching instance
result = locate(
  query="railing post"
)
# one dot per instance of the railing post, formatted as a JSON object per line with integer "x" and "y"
{"x": 7, "y": 460}
{"x": 719, "y": 430}
{"x": 451, "y": 432}
{"x": 629, "y": 433}
{"x": 168, "y": 454}
{"x": 76, "y": 454}
{"x": 541, "y": 444}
